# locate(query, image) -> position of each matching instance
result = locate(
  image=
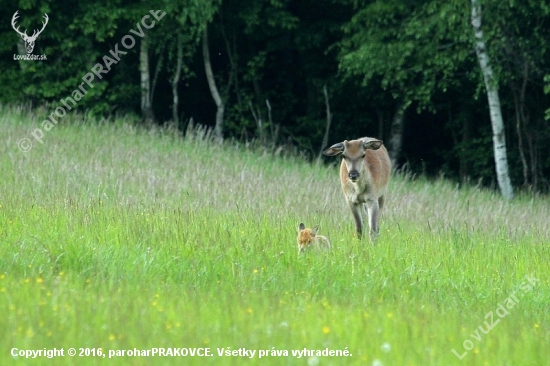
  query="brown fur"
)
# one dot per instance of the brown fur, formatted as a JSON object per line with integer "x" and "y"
{"x": 307, "y": 239}
{"x": 370, "y": 163}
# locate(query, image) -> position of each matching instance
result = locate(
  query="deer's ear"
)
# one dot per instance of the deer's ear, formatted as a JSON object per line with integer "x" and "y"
{"x": 301, "y": 227}
{"x": 315, "y": 230}
{"x": 372, "y": 144}
{"x": 334, "y": 149}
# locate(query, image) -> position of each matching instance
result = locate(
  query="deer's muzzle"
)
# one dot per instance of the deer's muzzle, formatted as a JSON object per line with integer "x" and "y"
{"x": 353, "y": 175}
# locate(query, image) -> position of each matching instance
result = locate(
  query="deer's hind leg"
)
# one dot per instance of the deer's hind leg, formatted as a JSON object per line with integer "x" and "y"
{"x": 381, "y": 202}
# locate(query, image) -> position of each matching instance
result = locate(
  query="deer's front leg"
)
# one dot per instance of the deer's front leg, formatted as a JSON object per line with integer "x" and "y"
{"x": 356, "y": 212}
{"x": 373, "y": 212}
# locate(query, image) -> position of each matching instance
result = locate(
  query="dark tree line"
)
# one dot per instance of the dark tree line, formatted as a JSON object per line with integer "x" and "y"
{"x": 422, "y": 75}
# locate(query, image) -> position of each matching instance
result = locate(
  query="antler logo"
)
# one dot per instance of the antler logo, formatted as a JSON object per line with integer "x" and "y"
{"x": 29, "y": 41}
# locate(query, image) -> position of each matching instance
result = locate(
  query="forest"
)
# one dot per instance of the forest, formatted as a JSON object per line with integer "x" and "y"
{"x": 454, "y": 88}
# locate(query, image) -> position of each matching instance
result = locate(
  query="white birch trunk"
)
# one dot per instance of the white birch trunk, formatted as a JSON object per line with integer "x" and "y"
{"x": 146, "y": 108}
{"x": 329, "y": 121}
{"x": 218, "y": 129}
{"x": 175, "y": 82}
{"x": 499, "y": 138}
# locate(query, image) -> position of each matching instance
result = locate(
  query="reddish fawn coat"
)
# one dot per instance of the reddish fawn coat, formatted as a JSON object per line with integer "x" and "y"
{"x": 364, "y": 175}
{"x": 308, "y": 239}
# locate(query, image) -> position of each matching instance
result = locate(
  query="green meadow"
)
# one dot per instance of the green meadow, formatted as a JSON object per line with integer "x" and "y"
{"x": 117, "y": 237}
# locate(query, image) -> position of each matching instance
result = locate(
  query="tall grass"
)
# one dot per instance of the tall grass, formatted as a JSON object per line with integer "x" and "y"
{"x": 120, "y": 237}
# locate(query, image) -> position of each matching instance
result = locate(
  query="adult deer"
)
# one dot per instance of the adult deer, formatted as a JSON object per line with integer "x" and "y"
{"x": 29, "y": 41}
{"x": 364, "y": 175}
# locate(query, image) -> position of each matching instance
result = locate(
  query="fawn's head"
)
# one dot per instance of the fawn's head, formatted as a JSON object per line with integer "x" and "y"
{"x": 353, "y": 152}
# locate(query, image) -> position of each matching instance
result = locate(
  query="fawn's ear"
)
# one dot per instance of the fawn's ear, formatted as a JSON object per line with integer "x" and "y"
{"x": 314, "y": 230}
{"x": 373, "y": 144}
{"x": 334, "y": 149}
{"x": 301, "y": 227}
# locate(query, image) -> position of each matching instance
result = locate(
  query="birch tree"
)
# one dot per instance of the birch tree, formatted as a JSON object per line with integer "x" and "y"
{"x": 176, "y": 79}
{"x": 145, "y": 76}
{"x": 218, "y": 129}
{"x": 491, "y": 85}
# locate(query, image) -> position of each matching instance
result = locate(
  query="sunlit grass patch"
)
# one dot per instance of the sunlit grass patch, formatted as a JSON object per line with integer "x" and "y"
{"x": 120, "y": 237}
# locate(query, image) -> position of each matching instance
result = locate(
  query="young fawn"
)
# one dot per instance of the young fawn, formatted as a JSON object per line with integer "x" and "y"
{"x": 308, "y": 238}
{"x": 364, "y": 175}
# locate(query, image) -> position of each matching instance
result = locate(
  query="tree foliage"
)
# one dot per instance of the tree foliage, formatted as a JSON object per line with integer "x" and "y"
{"x": 271, "y": 60}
